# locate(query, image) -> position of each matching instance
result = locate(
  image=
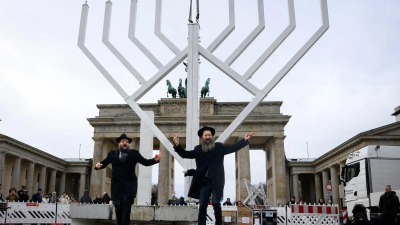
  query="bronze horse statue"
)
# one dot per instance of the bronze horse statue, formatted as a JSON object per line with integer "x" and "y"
{"x": 171, "y": 90}
{"x": 182, "y": 91}
{"x": 205, "y": 90}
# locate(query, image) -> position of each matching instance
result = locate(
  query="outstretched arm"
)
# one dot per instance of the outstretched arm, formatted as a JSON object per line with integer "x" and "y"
{"x": 149, "y": 162}
{"x": 238, "y": 145}
{"x": 182, "y": 152}
{"x": 103, "y": 164}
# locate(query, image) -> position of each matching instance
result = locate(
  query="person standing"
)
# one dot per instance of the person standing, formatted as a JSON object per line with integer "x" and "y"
{"x": 106, "y": 199}
{"x": 45, "y": 199}
{"x": 86, "y": 199}
{"x": 124, "y": 180}
{"x": 37, "y": 197}
{"x": 98, "y": 200}
{"x": 292, "y": 201}
{"x": 63, "y": 199}
{"x": 388, "y": 206}
{"x": 12, "y": 195}
{"x": 173, "y": 200}
{"x": 53, "y": 198}
{"x": 23, "y": 195}
{"x": 209, "y": 176}
{"x": 228, "y": 202}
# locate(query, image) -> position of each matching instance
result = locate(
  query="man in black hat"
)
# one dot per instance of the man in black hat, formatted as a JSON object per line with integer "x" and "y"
{"x": 124, "y": 180}
{"x": 209, "y": 176}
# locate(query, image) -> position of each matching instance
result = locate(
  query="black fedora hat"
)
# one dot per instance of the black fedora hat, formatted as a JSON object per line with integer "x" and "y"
{"x": 200, "y": 132}
{"x": 123, "y": 136}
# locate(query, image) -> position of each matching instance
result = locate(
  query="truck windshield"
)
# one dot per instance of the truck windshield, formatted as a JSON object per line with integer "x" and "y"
{"x": 352, "y": 171}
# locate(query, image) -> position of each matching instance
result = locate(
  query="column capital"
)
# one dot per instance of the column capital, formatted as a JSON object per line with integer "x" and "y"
{"x": 279, "y": 137}
{"x": 98, "y": 138}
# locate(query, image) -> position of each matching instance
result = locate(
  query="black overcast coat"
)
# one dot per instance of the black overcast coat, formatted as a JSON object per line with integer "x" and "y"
{"x": 213, "y": 161}
{"x": 123, "y": 173}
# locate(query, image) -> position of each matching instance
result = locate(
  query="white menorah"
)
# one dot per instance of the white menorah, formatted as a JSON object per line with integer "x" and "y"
{"x": 192, "y": 52}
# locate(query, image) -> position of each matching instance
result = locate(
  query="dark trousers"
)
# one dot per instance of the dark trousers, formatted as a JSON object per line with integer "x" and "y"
{"x": 205, "y": 193}
{"x": 388, "y": 219}
{"x": 123, "y": 210}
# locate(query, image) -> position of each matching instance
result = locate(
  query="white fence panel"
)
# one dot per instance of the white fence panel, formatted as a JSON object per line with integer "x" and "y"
{"x": 23, "y": 212}
{"x": 314, "y": 214}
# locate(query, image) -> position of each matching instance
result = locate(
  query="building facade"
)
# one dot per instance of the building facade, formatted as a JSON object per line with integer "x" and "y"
{"x": 309, "y": 177}
{"x": 25, "y": 167}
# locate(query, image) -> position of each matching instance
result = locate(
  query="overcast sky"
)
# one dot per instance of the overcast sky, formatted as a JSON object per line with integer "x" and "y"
{"x": 346, "y": 84}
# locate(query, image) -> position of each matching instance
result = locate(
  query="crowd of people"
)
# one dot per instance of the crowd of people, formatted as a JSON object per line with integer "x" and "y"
{"x": 22, "y": 196}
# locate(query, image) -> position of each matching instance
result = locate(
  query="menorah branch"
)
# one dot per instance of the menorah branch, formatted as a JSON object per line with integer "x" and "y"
{"x": 81, "y": 45}
{"x": 157, "y": 29}
{"x": 279, "y": 76}
{"x": 252, "y": 36}
{"x": 229, "y": 71}
{"x": 164, "y": 71}
{"x": 227, "y": 31}
{"x": 106, "y": 41}
{"x": 132, "y": 37}
{"x": 277, "y": 42}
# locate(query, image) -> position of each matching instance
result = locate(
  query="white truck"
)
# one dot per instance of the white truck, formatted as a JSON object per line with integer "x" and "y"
{"x": 365, "y": 175}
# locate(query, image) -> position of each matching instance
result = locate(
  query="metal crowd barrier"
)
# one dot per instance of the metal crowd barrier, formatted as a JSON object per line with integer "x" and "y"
{"x": 29, "y": 212}
{"x": 293, "y": 215}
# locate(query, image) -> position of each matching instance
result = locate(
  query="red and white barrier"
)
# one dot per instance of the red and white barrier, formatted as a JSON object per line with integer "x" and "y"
{"x": 315, "y": 209}
{"x": 344, "y": 216}
{"x": 314, "y": 214}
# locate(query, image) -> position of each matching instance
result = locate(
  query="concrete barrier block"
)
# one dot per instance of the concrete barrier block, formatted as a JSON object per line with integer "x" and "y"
{"x": 142, "y": 213}
{"x": 176, "y": 213}
{"x": 139, "y": 213}
{"x": 90, "y": 211}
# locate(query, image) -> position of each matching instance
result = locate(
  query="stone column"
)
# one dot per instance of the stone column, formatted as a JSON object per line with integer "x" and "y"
{"x": 296, "y": 186}
{"x": 243, "y": 172}
{"x": 2, "y": 160}
{"x": 16, "y": 173}
{"x": 62, "y": 183}
{"x": 280, "y": 171}
{"x": 335, "y": 185}
{"x": 325, "y": 180}
{"x": 96, "y": 179}
{"x": 82, "y": 183}
{"x": 52, "y": 183}
{"x": 29, "y": 178}
{"x": 164, "y": 174}
{"x": 42, "y": 179}
{"x": 318, "y": 186}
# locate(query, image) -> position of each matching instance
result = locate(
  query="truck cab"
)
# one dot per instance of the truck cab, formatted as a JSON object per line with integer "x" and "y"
{"x": 365, "y": 175}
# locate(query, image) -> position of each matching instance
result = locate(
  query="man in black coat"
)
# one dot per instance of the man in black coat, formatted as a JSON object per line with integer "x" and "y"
{"x": 388, "y": 206}
{"x": 23, "y": 196}
{"x": 209, "y": 176}
{"x": 37, "y": 197}
{"x": 124, "y": 180}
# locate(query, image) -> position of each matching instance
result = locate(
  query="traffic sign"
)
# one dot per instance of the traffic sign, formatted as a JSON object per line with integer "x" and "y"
{"x": 329, "y": 193}
{"x": 329, "y": 187}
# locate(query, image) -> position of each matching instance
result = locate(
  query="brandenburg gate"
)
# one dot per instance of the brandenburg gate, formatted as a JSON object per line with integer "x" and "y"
{"x": 170, "y": 117}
